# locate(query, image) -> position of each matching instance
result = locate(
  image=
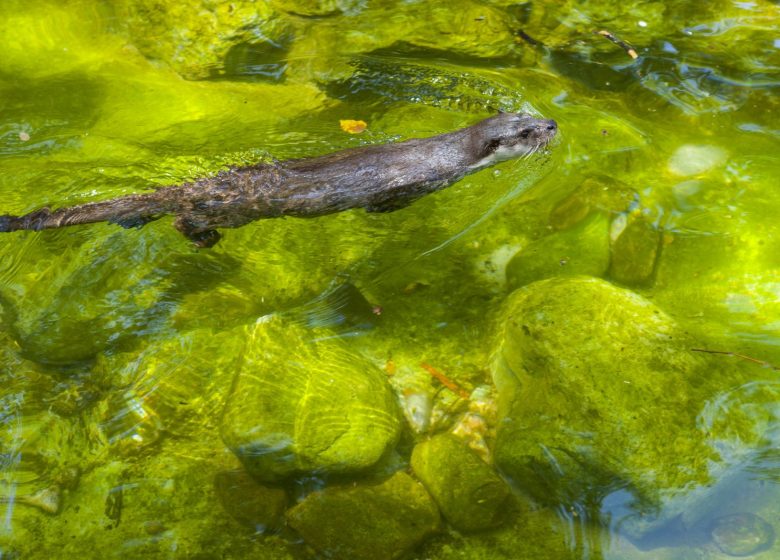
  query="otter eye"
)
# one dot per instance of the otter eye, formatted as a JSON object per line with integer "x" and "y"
{"x": 525, "y": 133}
{"x": 492, "y": 146}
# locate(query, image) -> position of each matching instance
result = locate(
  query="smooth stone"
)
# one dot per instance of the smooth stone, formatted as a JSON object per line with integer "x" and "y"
{"x": 742, "y": 534}
{"x": 591, "y": 381}
{"x": 582, "y": 249}
{"x": 367, "y": 522}
{"x": 470, "y": 494}
{"x": 195, "y": 36}
{"x": 634, "y": 253}
{"x": 253, "y": 505}
{"x": 303, "y": 403}
{"x": 599, "y": 192}
{"x": 691, "y": 159}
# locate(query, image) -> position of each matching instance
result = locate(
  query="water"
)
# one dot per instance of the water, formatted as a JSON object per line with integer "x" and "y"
{"x": 118, "y": 348}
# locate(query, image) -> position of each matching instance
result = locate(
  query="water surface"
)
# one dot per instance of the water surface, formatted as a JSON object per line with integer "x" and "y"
{"x": 117, "y": 348}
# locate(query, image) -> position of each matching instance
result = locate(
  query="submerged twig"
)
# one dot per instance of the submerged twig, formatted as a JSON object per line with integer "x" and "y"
{"x": 528, "y": 39}
{"x": 446, "y": 381}
{"x": 622, "y": 44}
{"x": 736, "y": 355}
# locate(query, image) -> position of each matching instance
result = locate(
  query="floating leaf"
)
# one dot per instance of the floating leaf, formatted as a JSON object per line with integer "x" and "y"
{"x": 353, "y": 127}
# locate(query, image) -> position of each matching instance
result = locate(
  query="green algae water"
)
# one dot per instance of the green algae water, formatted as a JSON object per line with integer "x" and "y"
{"x": 571, "y": 356}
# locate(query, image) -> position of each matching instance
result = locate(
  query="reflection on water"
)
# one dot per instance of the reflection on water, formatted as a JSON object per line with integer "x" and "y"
{"x": 120, "y": 349}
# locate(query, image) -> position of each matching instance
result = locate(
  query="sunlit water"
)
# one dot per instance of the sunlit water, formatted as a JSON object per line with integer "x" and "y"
{"x": 118, "y": 347}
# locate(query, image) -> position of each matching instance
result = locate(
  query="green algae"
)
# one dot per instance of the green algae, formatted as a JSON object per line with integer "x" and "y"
{"x": 377, "y": 521}
{"x": 118, "y": 346}
{"x": 469, "y": 493}
{"x": 583, "y": 249}
{"x": 301, "y": 402}
{"x": 575, "y": 405}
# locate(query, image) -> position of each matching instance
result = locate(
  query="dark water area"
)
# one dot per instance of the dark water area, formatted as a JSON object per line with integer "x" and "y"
{"x": 572, "y": 355}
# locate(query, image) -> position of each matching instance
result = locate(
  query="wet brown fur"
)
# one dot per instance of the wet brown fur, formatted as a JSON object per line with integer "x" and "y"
{"x": 379, "y": 178}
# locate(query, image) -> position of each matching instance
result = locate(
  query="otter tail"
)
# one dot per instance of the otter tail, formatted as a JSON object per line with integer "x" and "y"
{"x": 127, "y": 211}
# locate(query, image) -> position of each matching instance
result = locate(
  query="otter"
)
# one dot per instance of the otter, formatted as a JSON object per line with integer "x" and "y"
{"x": 378, "y": 178}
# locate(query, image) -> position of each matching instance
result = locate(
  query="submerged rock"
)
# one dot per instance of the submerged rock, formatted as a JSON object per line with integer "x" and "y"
{"x": 108, "y": 291}
{"x": 598, "y": 390}
{"x": 634, "y": 253}
{"x": 194, "y": 37}
{"x": 377, "y": 522}
{"x": 583, "y": 249}
{"x": 470, "y": 494}
{"x": 174, "y": 386}
{"x": 595, "y": 193}
{"x": 740, "y": 426}
{"x": 303, "y": 403}
{"x": 694, "y": 160}
{"x": 742, "y": 534}
{"x": 253, "y": 505}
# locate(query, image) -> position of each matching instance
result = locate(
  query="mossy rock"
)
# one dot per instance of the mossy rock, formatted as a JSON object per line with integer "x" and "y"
{"x": 175, "y": 386}
{"x": 156, "y": 506}
{"x": 256, "y": 506}
{"x": 470, "y": 494}
{"x": 106, "y": 292}
{"x": 634, "y": 253}
{"x": 311, "y": 8}
{"x": 598, "y": 389}
{"x": 371, "y": 522}
{"x": 582, "y": 249}
{"x": 595, "y": 193}
{"x": 303, "y": 403}
{"x": 195, "y": 36}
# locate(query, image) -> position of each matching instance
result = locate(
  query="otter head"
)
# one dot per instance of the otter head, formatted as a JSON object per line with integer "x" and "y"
{"x": 510, "y": 135}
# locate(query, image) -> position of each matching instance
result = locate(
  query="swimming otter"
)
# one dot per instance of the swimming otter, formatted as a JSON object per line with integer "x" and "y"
{"x": 379, "y": 178}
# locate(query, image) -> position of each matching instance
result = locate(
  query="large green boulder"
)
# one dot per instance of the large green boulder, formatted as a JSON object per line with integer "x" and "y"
{"x": 371, "y": 522}
{"x": 598, "y": 390}
{"x": 302, "y": 402}
{"x": 470, "y": 494}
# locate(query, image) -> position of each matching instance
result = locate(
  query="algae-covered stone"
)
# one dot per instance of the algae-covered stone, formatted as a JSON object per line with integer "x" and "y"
{"x": 372, "y": 522}
{"x": 583, "y": 249}
{"x": 161, "y": 505}
{"x": 195, "y": 36}
{"x": 740, "y": 425}
{"x": 318, "y": 7}
{"x": 470, "y": 494}
{"x": 597, "y": 388}
{"x": 302, "y": 402}
{"x": 597, "y": 192}
{"x": 634, "y": 253}
{"x": 254, "y": 505}
{"x": 107, "y": 291}
{"x": 742, "y": 534}
{"x": 175, "y": 386}
{"x": 474, "y": 29}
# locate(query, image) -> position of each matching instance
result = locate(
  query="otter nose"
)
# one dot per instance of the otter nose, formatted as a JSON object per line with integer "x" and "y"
{"x": 552, "y": 125}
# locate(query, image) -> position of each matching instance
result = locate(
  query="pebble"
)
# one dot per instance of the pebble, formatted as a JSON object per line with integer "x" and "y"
{"x": 691, "y": 159}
